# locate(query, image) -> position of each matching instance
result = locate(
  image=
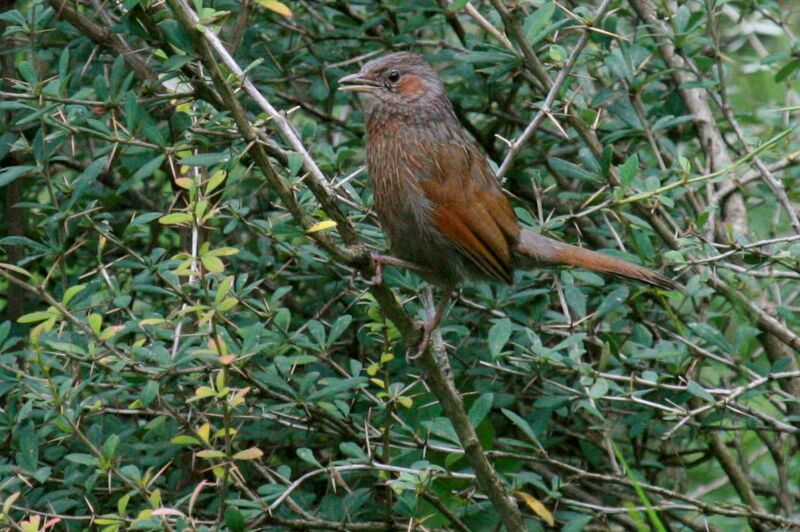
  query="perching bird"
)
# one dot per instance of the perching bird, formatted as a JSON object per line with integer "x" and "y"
{"x": 436, "y": 196}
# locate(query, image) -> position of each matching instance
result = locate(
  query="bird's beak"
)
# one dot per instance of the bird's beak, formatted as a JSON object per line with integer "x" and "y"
{"x": 357, "y": 83}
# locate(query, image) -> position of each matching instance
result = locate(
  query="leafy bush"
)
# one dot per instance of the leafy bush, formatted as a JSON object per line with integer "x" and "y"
{"x": 190, "y": 337}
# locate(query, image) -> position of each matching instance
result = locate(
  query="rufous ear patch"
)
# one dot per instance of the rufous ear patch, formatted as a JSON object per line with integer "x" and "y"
{"x": 410, "y": 86}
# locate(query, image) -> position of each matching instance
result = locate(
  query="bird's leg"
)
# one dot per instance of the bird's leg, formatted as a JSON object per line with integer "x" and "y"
{"x": 382, "y": 260}
{"x": 431, "y": 324}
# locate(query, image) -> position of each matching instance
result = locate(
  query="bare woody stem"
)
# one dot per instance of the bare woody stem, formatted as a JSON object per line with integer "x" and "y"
{"x": 206, "y": 43}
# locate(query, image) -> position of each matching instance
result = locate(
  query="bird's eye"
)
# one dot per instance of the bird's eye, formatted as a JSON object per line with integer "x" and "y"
{"x": 393, "y": 76}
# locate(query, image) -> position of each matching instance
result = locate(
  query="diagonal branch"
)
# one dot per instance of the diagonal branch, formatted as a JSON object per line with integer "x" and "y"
{"x": 206, "y": 43}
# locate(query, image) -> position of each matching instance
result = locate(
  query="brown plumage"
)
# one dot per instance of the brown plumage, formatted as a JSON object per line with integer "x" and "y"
{"x": 436, "y": 197}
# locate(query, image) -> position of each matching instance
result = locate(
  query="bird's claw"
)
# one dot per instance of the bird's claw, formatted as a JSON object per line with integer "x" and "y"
{"x": 417, "y": 351}
{"x": 377, "y": 279}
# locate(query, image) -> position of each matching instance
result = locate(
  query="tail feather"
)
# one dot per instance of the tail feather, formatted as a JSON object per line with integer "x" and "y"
{"x": 535, "y": 249}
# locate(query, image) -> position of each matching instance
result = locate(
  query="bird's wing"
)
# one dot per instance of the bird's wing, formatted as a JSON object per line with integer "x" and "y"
{"x": 468, "y": 206}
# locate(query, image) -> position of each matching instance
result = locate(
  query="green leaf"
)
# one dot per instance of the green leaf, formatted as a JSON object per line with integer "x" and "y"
{"x": 498, "y": 336}
{"x": 628, "y": 171}
{"x": 5, "y": 328}
{"x": 206, "y": 159}
{"x": 83, "y": 459}
{"x": 576, "y": 299}
{"x": 176, "y": 218}
{"x": 521, "y": 424}
{"x": 11, "y": 173}
{"x": 234, "y": 519}
{"x": 442, "y": 427}
{"x": 339, "y": 326}
{"x": 149, "y": 392}
{"x": 28, "y": 457}
{"x": 698, "y": 391}
{"x": 28, "y": 72}
{"x": 480, "y": 409}
{"x": 352, "y": 450}
{"x": 599, "y": 389}
{"x": 71, "y": 293}
{"x": 557, "y": 53}
{"x": 90, "y": 174}
{"x": 612, "y": 301}
{"x": 306, "y": 455}
{"x": 338, "y": 387}
{"x": 535, "y": 24}
{"x": 568, "y": 169}
{"x": 110, "y": 446}
{"x": 40, "y": 315}
{"x": 147, "y": 169}
{"x": 787, "y": 70}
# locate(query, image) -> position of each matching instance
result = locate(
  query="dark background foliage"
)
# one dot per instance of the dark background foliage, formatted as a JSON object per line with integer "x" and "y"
{"x": 188, "y": 339}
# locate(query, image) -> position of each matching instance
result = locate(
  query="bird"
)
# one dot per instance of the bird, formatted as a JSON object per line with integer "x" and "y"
{"x": 436, "y": 197}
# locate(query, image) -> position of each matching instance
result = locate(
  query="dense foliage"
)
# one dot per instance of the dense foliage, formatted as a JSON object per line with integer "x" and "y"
{"x": 189, "y": 338}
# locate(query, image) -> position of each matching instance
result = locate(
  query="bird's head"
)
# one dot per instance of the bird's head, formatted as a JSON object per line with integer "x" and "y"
{"x": 400, "y": 83}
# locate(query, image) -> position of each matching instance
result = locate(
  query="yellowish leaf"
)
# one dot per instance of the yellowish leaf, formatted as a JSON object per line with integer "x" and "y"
{"x": 109, "y": 332}
{"x": 218, "y": 346}
{"x": 221, "y": 433}
{"x": 227, "y": 305}
{"x": 203, "y": 392}
{"x": 152, "y": 321}
{"x": 212, "y": 264}
{"x": 203, "y": 431}
{"x": 14, "y": 268}
{"x": 176, "y": 218}
{"x": 321, "y": 226}
{"x": 216, "y": 180}
{"x": 95, "y": 321}
{"x": 111, "y": 520}
{"x": 253, "y": 453}
{"x": 9, "y": 501}
{"x": 222, "y": 252}
{"x": 211, "y": 453}
{"x": 184, "y": 182}
{"x": 405, "y": 401}
{"x": 278, "y": 7}
{"x": 537, "y": 507}
{"x": 238, "y": 397}
{"x": 183, "y": 439}
{"x": 31, "y": 525}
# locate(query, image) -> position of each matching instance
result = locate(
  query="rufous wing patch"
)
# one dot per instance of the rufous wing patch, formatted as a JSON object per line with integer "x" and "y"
{"x": 466, "y": 241}
{"x": 469, "y": 207}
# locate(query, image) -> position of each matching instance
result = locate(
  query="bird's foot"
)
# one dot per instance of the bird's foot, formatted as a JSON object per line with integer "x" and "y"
{"x": 413, "y": 353}
{"x": 382, "y": 260}
{"x": 377, "y": 279}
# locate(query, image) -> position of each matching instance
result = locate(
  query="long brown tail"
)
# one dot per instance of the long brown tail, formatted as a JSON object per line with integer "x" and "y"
{"x": 535, "y": 249}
